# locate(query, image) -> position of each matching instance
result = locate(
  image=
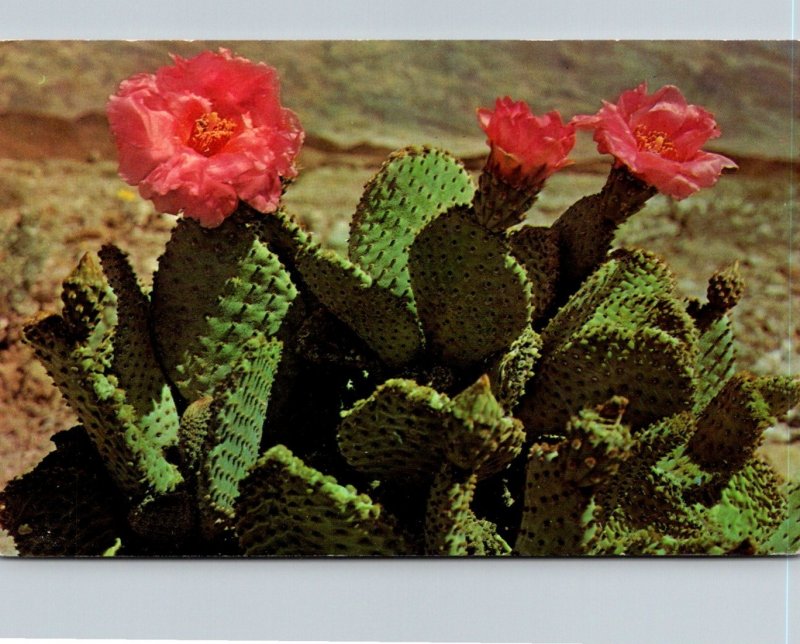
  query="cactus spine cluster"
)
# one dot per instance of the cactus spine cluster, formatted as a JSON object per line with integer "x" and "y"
{"x": 448, "y": 388}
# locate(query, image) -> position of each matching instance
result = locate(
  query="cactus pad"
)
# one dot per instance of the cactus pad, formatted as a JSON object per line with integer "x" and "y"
{"x": 480, "y": 437}
{"x": 597, "y": 444}
{"x": 451, "y": 527}
{"x": 786, "y": 538}
{"x": 536, "y": 248}
{"x": 725, "y": 289}
{"x": 716, "y": 361}
{"x": 558, "y": 517}
{"x": 413, "y": 186}
{"x": 66, "y": 506}
{"x": 396, "y": 433}
{"x": 511, "y": 371}
{"x": 643, "y": 492}
{"x": 386, "y": 322}
{"x": 191, "y": 278}
{"x": 217, "y": 307}
{"x": 750, "y": 508}
{"x": 124, "y": 404}
{"x": 622, "y": 334}
{"x": 472, "y": 296}
{"x": 731, "y": 425}
{"x": 288, "y": 508}
{"x": 194, "y": 427}
{"x": 234, "y": 434}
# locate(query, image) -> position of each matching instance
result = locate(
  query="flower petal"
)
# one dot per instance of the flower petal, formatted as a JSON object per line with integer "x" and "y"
{"x": 154, "y": 117}
{"x": 658, "y": 137}
{"x": 526, "y": 147}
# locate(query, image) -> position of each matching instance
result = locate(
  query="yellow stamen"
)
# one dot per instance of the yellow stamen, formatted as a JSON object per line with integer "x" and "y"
{"x": 654, "y": 141}
{"x": 210, "y": 133}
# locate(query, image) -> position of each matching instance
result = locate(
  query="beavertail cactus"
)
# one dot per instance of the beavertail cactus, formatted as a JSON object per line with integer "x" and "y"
{"x": 458, "y": 384}
{"x": 99, "y": 354}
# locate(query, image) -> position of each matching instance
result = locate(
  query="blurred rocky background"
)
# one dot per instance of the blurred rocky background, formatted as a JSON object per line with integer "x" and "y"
{"x": 60, "y": 195}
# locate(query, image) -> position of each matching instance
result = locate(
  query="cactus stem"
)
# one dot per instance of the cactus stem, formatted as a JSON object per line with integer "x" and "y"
{"x": 586, "y": 230}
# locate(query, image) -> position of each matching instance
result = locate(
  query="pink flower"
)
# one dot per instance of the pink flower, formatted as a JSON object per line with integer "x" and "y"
{"x": 525, "y": 149}
{"x": 201, "y": 134}
{"x": 658, "y": 137}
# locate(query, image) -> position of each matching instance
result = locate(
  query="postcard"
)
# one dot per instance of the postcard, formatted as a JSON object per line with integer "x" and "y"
{"x": 398, "y": 299}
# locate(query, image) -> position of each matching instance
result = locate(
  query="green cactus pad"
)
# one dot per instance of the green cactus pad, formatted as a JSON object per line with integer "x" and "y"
{"x": 191, "y": 278}
{"x": 647, "y": 366}
{"x": 781, "y": 393}
{"x": 558, "y": 517}
{"x": 146, "y": 438}
{"x": 220, "y": 287}
{"x": 134, "y": 362}
{"x": 617, "y": 537}
{"x": 694, "y": 483}
{"x": 480, "y": 437}
{"x": 597, "y": 444}
{"x": 623, "y": 333}
{"x": 472, "y": 296}
{"x": 397, "y": 433}
{"x": 194, "y": 426}
{"x": 607, "y": 295}
{"x": 235, "y": 429}
{"x": 586, "y": 230}
{"x": 536, "y": 248}
{"x": 449, "y": 520}
{"x": 644, "y": 493}
{"x": 413, "y": 187}
{"x": 786, "y": 538}
{"x": 254, "y": 302}
{"x": 725, "y": 289}
{"x": 716, "y": 362}
{"x": 730, "y": 427}
{"x": 511, "y": 371}
{"x": 386, "y": 322}
{"x": 288, "y": 508}
{"x": 66, "y": 506}
{"x": 751, "y": 507}
{"x": 125, "y": 407}
{"x": 89, "y": 304}
{"x": 281, "y": 232}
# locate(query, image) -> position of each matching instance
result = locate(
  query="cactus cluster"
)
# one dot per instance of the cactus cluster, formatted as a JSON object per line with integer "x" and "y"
{"x": 448, "y": 388}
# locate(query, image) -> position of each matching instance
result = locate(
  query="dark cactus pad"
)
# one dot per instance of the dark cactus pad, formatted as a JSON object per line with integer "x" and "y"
{"x": 473, "y": 297}
{"x": 67, "y": 505}
{"x": 288, "y": 508}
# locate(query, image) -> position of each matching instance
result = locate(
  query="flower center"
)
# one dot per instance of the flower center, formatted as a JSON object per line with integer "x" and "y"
{"x": 210, "y": 133}
{"x": 654, "y": 141}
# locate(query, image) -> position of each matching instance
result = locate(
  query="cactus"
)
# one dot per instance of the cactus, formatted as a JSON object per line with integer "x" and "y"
{"x": 450, "y": 387}
{"x": 68, "y": 505}
{"x": 288, "y": 508}
{"x": 98, "y": 352}
{"x": 412, "y": 188}
{"x": 473, "y": 297}
{"x": 622, "y": 333}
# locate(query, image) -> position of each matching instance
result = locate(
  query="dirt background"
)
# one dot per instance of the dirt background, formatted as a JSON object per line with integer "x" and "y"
{"x": 60, "y": 195}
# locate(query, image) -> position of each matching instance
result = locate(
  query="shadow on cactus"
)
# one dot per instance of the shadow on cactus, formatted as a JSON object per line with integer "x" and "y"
{"x": 459, "y": 384}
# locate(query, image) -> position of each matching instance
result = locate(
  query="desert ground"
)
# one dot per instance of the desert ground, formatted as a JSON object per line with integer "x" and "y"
{"x": 60, "y": 195}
